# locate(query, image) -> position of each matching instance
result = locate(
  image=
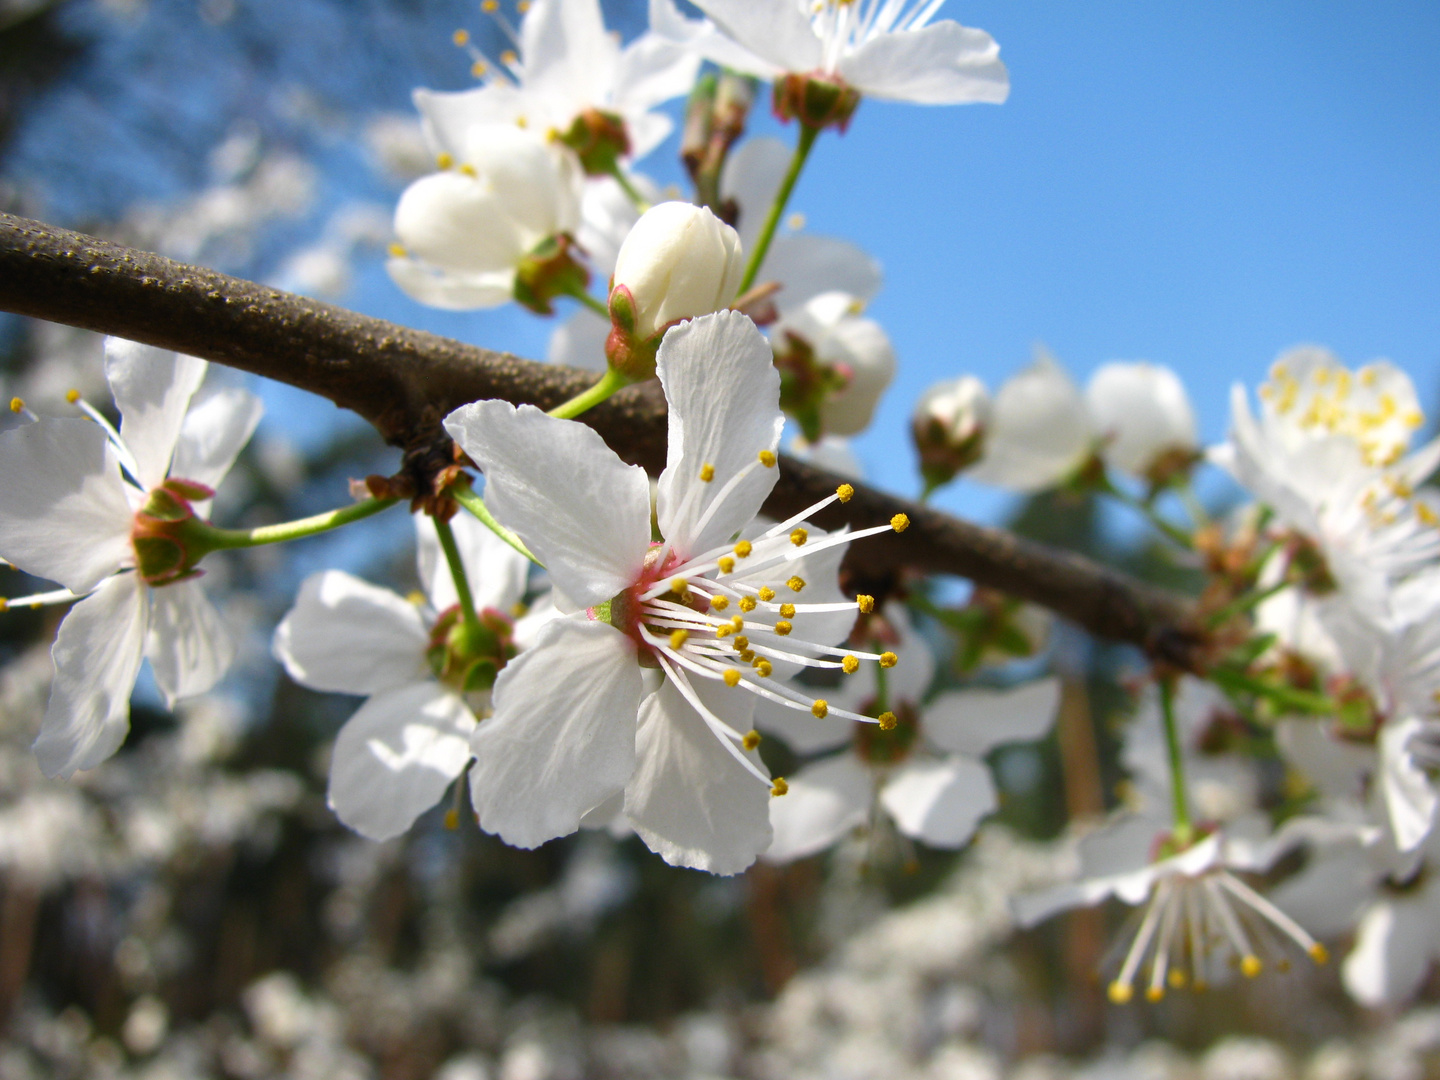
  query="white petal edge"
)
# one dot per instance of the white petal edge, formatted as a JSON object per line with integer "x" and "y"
{"x": 975, "y": 721}
{"x": 188, "y": 646}
{"x": 940, "y": 802}
{"x": 825, "y": 802}
{"x": 152, "y": 389}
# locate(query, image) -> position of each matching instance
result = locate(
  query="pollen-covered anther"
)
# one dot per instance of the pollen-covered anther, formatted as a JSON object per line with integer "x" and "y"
{"x": 888, "y": 659}
{"x": 747, "y": 603}
{"x": 795, "y": 584}
{"x": 678, "y": 639}
{"x": 726, "y": 564}
{"x": 779, "y": 787}
{"x": 1250, "y": 966}
{"x": 767, "y": 458}
{"x": 1120, "y": 993}
{"x": 782, "y": 627}
{"x": 679, "y": 584}
{"x": 1176, "y": 978}
{"x": 397, "y": 251}
{"x": 72, "y": 396}
{"x": 747, "y": 656}
{"x": 743, "y": 548}
{"x": 899, "y": 523}
{"x": 766, "y": 593}
{"x": 478, "y": 69}
{"x": 850, "y": 665}
{"x": 1154, "y": 993}
{"x": 820, "y": 709}
{"x": 509, "y": 58}
{"x": 724, "y": 630}
{"x": 865, "y": 603}
{"x": 798, "y": 537}
{"x": 763, "y": 667}
{"x": 707, "y": 472}
{"x": 751, "y": 739}
{"x": 719, "y": 603}
{"x": 844, "y": 493}
{"x": 887, "y": 721}
{"x": 1319, "y": 953}
{"x": 731, "y": 677}
{"x": 468, "y": 170}
{"x": 17, "y": 405}
{"x": 461, "y": 38}
{"x": 737, "y": 623}
{"x": 787, "y": 611}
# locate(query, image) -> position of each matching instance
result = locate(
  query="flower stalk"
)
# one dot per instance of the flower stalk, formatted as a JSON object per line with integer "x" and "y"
{"x": 609, "y": 383}
{"x": 201, "y": 538}
{"x": 446, "y": 536}
{"x": 777, "y": 208}
{"x": 1184, "y": 830}
{"x": 464, "y": 494}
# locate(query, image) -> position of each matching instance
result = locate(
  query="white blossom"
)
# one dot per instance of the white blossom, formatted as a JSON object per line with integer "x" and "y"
{"x": 1143, "y": 416}
{"x": 677, "y": 262}
{"x": 1040, "y": 432}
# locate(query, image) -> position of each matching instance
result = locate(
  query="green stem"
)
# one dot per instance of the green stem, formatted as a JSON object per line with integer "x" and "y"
{"x": 594, "y": 304}
{"x": 631, "y": 191}
{"x": 1199, "y": 516}
{"x": 777, "y": 208}
{"x": 202, "y": 537}
{"x": 1183, "y": 828}
{"x": 1287, "y": 697}
{"x": 609, "y": 383}
{"x": 1171, "y": 531}
{"x": 457, "y": 574}
{"x": 464, "y": 494}
{"x": 1245, "y": 603}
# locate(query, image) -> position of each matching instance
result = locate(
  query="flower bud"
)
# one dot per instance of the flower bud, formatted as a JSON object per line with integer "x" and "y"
{"x": 678, "y": 262}
{"x": 1040, "y": 434}
{"x": 834, "y": 365}
{"x": 816, "y": 100}
{"x": 599, "y": 139}
{"x": 1142, "y": 412}
{"x": 949, "y": 426}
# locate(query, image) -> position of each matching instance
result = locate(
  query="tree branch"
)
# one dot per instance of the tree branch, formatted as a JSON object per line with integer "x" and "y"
{"x": 405, "y": 381}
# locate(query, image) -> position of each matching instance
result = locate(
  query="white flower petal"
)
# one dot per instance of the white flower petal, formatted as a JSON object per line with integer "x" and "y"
{"x": 1143, "y": 411}
{"x": 825, "y": 801}
{"x": 1410, "y": 796}
{"x": 1394, "y": 946}
{"x": 941, "y": 64}
{"x": 439, "y": 288}
{"x": 567, "y": 53}
{"x": 724, "y": 396}
{"x": 976, "y": 721}
{"x": 582, "y": 511}
{"x": 702, "y": 37}
{"x": 690, "y": 801}
{"x": 562, "y": 739}
{"x": 213, "y": 434}
{"x": 652, "y": 70}
{"x": 396, "y": 756}
{"x": 97, "y": 656}
{"x": 63, "y": 511}
{"x": 807, "y": 266}
{"x": 497, "y": 573}
{"x": 1040, "y": 430}
{"x": 188, "y": 646}
{"x": 347, "y": 636}
{"x": 940, "y": 802}
{"x": 779, "y": 34}
{"x": 152, "y": 389}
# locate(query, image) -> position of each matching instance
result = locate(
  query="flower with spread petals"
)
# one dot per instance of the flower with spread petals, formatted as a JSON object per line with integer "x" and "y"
{"x": 887, "y": 49}
{"x": 423, "y": 676}
{"x": 922, "y": 764}
{"x": 721, "y": 608}
{"x": 492, "y": 225}
{"x": 568, "y": 75}
{"x": 89, "y": 507}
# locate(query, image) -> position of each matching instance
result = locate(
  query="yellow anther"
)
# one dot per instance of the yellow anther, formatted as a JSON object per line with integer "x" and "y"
{"x": 397, "y": 251}
{"x": 17, "y": 405}
{"x": 72, "y": 396}
{"x": 468, "y": 170}
{"x": 795, "y": 584}
{"x": 1426, "y": 515}
{"x": 522, "y": 6}
{"x": 520, "y": 121}
{"x": 724, "y": 630}
{"x": 478, "y": 69}
{"x": 1176, "y": 978}
{"x": 763, "y": 667}
{"x": 726, "y": 564}
{"x": 737, "y": 623}
{"x": 767, "y": 458}
{"x": 719, "y": 603}
{"x": 461, "y": 38}
{"x": 678, "y": 584}
{"x": 489, "y": 6}
{"x": 766, "y": 593}
{"x": 1319, "y": 953}
{"x": 518, "y": 608}
{"x": 743, "y": 548}
{"x": 36, "y": 606}
{"x": 865, "y": 603}
{"x": 1200, "y": 986}
{"x": 799, "y": 536}
{"x": 820, "y": 709}
{"x": 452, "y": 819}
{"x": 887, "y": 721}
{"x": 678, "y": 638}
{"x": 509, "y": 59}
{"x": 1250, "y": 966}
{"x": 1120, "y": 993}
{"x": 747, "y": 603}
{"x": 707, "y": 472}
{"x": 888, "y": 659}
{"x": 845, "y": 492}
{"x": 731, "y": 677}
{"x": 1413, "y": 418}
{"x": 850, "y": 665}
{"x": 787, "y": 611}
{"x": 899, "y": 522}
{"x": 416, "y": 597}
{"x": 751, "y": 739}
{"x": 747, "y": 656}
{"x": 1154, "y": 993}
{"x": 795, "y": 222}
{"x": 4, "y": 604}
{"x": 741, "y": 642}
{"x": 783, "y": 627}
{"x": 779, "y": 787}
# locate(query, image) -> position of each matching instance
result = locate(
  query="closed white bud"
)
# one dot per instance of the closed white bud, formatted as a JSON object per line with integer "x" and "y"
{"x": 1040, "y": 434}
{"x": 678, "y": 262}
{"x": 949, "y": 427}
{"x": 1143, "y": 416}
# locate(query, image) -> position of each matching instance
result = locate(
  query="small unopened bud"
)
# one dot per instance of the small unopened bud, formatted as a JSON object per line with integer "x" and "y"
{"x": 816, "y": 100}
{"x": 949, "y": 428}
{"x": 1143, "y": 413}
{"x": 678, "y": 262}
